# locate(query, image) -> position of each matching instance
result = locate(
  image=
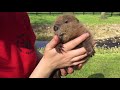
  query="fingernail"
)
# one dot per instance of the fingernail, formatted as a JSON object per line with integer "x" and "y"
{"x": 55, "y": 37}
{"x": 87, "y": 34}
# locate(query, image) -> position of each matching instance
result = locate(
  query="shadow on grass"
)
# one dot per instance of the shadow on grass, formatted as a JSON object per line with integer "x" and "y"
{"x": 97, "y": 75}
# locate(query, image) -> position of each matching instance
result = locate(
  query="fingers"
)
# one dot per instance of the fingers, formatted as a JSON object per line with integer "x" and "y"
{"x": 80, "y": 66}
{"x": 66, "y": 71}
{"x": 79, "y": 57}
{"x": 52, "y": 43}
{"x": 73, "y": 43}
{"x": 77, "y": 52}
{"x": 78, "y": 62}
{"x": 70, "y": 70}
{"x": 63, "y": 72}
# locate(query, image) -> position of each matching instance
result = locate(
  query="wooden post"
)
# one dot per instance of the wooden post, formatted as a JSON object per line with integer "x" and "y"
{"x": 83, "y": 13}
{"x": 103, "y": 15}
{"x": 111, "y": 14}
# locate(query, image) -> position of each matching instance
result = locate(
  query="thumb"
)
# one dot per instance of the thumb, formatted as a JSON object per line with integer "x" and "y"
{"x": 52, "y": 43}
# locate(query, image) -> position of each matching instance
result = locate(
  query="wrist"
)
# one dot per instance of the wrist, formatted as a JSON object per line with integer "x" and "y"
{"x": 42, "y": 70}
{"x": 47, "y": 64}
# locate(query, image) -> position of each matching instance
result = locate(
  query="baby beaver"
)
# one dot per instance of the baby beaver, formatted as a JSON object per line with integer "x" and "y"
{"x": 68, "y": 27}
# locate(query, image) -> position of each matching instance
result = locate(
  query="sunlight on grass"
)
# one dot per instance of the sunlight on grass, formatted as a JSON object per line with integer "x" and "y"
{"x": 42, "y": 18}
{"x": 87, "y": 19}
{"x": 95, "y": 19}
{"x": 105, "y": 64}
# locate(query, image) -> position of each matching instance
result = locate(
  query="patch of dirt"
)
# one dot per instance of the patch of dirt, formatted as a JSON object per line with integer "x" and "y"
{"x": 39, "y": 28}
{"x": 108, "y": 42}
{"x": 104, "y": 31}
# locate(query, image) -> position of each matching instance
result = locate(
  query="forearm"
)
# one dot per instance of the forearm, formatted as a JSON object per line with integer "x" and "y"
{"x": 42, "y": 70}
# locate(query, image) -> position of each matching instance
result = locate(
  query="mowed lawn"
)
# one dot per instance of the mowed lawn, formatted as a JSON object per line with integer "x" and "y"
{"x": 100, "y": 66}
{"x": 86, "y": 19}
{"x": 105, "y": 63}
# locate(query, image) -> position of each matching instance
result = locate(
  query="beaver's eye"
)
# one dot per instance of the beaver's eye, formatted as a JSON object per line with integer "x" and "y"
{"x": 55, "y": 27}
{"x": 66, "y": 21}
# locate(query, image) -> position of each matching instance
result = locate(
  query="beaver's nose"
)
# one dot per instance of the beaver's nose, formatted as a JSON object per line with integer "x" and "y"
{"x": 56, "y": 27}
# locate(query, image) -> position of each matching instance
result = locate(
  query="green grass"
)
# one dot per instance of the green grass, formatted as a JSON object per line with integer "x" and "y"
{"x": 86, "y": 19}
{"x": 106, "y": 28}
{"x": 42, "y": 19}
{"x": 100, "y": 66}
{"x": 105, "y": 64}
{"x": 95, "y": 19}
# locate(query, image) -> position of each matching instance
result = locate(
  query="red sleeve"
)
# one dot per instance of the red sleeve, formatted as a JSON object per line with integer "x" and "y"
{"x": 17, "y": 53}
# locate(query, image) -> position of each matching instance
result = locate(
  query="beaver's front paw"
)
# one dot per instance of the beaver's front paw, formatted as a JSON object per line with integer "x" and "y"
{"x": 59, "y": 48}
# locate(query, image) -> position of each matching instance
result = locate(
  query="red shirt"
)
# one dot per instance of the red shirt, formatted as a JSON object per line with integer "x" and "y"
{"x": 17, "y": 54}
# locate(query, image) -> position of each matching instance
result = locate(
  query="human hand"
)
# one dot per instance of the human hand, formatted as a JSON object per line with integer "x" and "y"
{"x": 52, "y": 60}
{"x": 67, "y": 58}
{"x": 70, "y": 70}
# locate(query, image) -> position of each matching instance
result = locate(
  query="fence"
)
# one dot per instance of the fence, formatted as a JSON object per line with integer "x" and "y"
{"x": 84, "y": 13}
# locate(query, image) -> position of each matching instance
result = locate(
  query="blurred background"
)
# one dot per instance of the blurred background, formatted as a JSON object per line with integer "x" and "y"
{"x": 105, "y": 27}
